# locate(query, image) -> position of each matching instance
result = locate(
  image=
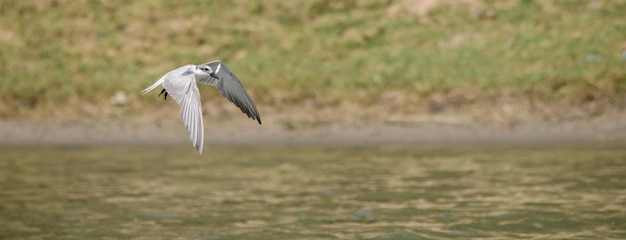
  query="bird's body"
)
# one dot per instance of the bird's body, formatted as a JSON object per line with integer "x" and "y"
{"x": 180, "y": 85}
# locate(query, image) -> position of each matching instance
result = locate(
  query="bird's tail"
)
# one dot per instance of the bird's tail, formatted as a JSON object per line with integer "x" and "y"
{"x": 153, "y": 86}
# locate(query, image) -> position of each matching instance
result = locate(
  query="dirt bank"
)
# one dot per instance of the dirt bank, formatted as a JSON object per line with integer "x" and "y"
{"x": 285, "y": 128}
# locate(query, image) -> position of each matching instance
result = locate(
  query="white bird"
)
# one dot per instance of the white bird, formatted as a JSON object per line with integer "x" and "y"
{"x": 180, "y": 84}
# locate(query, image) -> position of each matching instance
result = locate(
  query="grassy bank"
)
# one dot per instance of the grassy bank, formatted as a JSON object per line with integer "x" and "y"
{"x": 568, "y": 53}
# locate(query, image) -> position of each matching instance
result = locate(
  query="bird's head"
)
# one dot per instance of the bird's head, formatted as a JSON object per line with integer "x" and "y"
{"x": 205, "y": 69}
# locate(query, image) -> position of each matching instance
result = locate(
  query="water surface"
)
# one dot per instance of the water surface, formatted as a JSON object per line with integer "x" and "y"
{"x": 312, "y": 193}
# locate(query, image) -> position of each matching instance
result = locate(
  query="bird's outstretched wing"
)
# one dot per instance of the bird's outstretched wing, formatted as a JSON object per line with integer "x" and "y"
{"x": 180, "y": 84}
{"x": 230, "y": 87}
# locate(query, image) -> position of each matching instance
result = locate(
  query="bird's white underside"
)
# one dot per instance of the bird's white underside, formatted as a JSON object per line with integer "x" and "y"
{"x": 181, "y": 85}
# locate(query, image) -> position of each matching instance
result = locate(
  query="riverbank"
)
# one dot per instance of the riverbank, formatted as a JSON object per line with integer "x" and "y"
{"x": 331, "y": 127}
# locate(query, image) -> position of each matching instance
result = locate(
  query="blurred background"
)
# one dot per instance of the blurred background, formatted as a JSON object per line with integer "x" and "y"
{"x": 547, "y": 59}
{"x": 490, "y": 119}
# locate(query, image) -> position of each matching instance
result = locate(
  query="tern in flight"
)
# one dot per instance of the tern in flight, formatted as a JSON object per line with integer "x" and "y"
{"x": 180, "y": 84}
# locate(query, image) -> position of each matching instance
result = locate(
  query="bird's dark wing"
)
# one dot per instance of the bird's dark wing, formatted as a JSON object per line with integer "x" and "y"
{"x": 230, "y": 87}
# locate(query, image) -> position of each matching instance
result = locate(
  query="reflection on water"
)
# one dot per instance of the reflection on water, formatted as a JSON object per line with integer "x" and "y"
{"x": 299, "y": 193}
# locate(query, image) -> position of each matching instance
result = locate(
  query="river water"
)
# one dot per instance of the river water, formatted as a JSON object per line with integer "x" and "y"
{"x": 312, "y": 193}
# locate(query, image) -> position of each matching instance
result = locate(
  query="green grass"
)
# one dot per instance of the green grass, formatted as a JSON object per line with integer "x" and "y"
{"x": 566, "y": 52}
